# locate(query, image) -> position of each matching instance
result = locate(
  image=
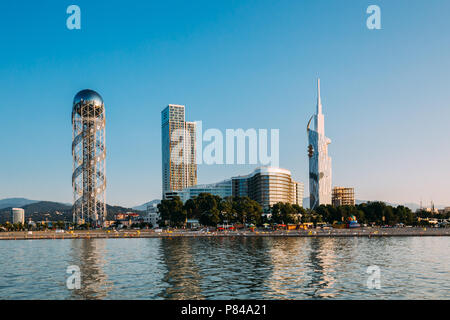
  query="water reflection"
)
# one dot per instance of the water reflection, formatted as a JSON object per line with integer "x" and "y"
{"x": 182, "y": 273}
{"x": 321, "y": 259}
{"x": 219, "y": 268}
{"x": 301, "y": 268}
{"x": 234, "y": 268}
{"x": 89, "y": 256}
{"x": 227, "y": 268}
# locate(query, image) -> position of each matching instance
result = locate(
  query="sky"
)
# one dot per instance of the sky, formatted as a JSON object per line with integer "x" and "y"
{"x": 234, "y": 64}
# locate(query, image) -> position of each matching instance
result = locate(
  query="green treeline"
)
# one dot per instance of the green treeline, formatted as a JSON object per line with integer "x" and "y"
{"x": 211, "y": 210}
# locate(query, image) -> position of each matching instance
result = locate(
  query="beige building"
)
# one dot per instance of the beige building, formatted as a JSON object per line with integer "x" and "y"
{"x": 267, "y": 186}
{"x": 343, "y": 196}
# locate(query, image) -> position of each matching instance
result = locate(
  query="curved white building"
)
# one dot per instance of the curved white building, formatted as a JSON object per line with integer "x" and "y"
{"x": 269, "y": 185}
{"x": 319, "y": 161}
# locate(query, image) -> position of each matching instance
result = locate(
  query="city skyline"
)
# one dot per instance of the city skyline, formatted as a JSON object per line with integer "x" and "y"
{"x": 231, "y": 71}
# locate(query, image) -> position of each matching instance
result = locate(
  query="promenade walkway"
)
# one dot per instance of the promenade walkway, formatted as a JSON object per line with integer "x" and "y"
{"x": 111, "y": 234}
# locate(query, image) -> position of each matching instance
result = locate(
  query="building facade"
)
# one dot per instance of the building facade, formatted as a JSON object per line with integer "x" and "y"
{"x": 300, "y": 191}
{"x": 267, "y": 186}
{"x": 319, "y": 160}
{"x": 222, "y": 189}
{"x": 18, "y": 215}
{"x": 153, "y": 215}
{"x": 343, "y": 196}
{"x": 179, "y": 167}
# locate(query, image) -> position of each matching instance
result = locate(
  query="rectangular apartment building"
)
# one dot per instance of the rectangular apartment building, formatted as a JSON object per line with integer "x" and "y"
{"x": 179, "y": 167}
{"x": 343, "y": 196}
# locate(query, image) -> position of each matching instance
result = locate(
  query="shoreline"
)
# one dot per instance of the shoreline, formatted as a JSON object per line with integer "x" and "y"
{"x": 312, "y": 233}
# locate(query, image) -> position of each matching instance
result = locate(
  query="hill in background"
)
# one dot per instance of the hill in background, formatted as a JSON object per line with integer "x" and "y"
{"x": 54, "y": 211}
{"x": 143, "y": 207}
{"x": 15, "y": 202}
{"x": 412, "y": 206}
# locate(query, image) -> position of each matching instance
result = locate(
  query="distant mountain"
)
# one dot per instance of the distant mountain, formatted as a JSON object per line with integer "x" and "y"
{"x": 365, "y": 201}
{"x": 54, "y": 211}
{"x": 15, "y": 202}
{"x": 46, "y": 206}
{"x": 143, "y": 207}
{"x": 412, "y": 206}
{"x": 113, "y": 210}
{"x": 41, "y": 210}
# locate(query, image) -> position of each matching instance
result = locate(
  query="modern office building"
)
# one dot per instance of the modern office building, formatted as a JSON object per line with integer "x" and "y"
{"x": 179, "y": 168}
{"x": 222, "y": 189}
{"x": 89, "y": 154}
{"x": 319, "y": 161}
{"x": 343, "y": 196}
{"x": 18, "y": 215}
{"x": 267, "y": 186}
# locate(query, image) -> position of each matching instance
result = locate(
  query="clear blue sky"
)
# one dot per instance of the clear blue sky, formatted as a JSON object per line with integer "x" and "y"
{"x": 234, "y": 64}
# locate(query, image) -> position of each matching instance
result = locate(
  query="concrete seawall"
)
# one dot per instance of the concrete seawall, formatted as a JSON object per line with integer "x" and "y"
{"x": 108, "y": 234}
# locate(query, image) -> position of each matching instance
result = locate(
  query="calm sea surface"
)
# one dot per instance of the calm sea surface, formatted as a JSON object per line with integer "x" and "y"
{"x": 227, "y": 268}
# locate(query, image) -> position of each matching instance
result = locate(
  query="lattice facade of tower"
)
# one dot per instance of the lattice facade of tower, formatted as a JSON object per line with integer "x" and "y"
{"x": 319, "y": 160}
{"x": 179, "y": 166}
{"x": 89, "y": 153}
{"x": 343, "y": 196}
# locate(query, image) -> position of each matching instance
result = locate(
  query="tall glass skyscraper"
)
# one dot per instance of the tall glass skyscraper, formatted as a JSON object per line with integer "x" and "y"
{"x": 179, "y": 167}
{"x": 319, "y": 161}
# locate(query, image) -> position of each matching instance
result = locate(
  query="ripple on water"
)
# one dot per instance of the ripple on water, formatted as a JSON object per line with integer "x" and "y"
{"x": 227, "y": 268}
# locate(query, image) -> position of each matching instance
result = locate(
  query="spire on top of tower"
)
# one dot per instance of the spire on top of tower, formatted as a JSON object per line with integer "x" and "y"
{"x": 319, "y": 101}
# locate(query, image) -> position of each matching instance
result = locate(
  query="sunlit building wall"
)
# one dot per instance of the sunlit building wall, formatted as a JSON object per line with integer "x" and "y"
{"x": 18, "y": 215}
{"x": 267, "y": 186}
{"x": 179, "y": 168}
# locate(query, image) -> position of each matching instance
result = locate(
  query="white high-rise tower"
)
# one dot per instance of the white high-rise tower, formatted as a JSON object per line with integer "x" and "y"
{"x": 179, "y": 166}
{"x": 319, "y": 161}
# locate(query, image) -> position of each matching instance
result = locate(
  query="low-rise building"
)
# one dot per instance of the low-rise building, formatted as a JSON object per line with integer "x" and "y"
{"x": 127, "y": 219}
{"x": 221, "y": 189}
{"x": 152, "y": 215}
{"x": 430, "y": 210}
{"x": 192, "y": 223}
